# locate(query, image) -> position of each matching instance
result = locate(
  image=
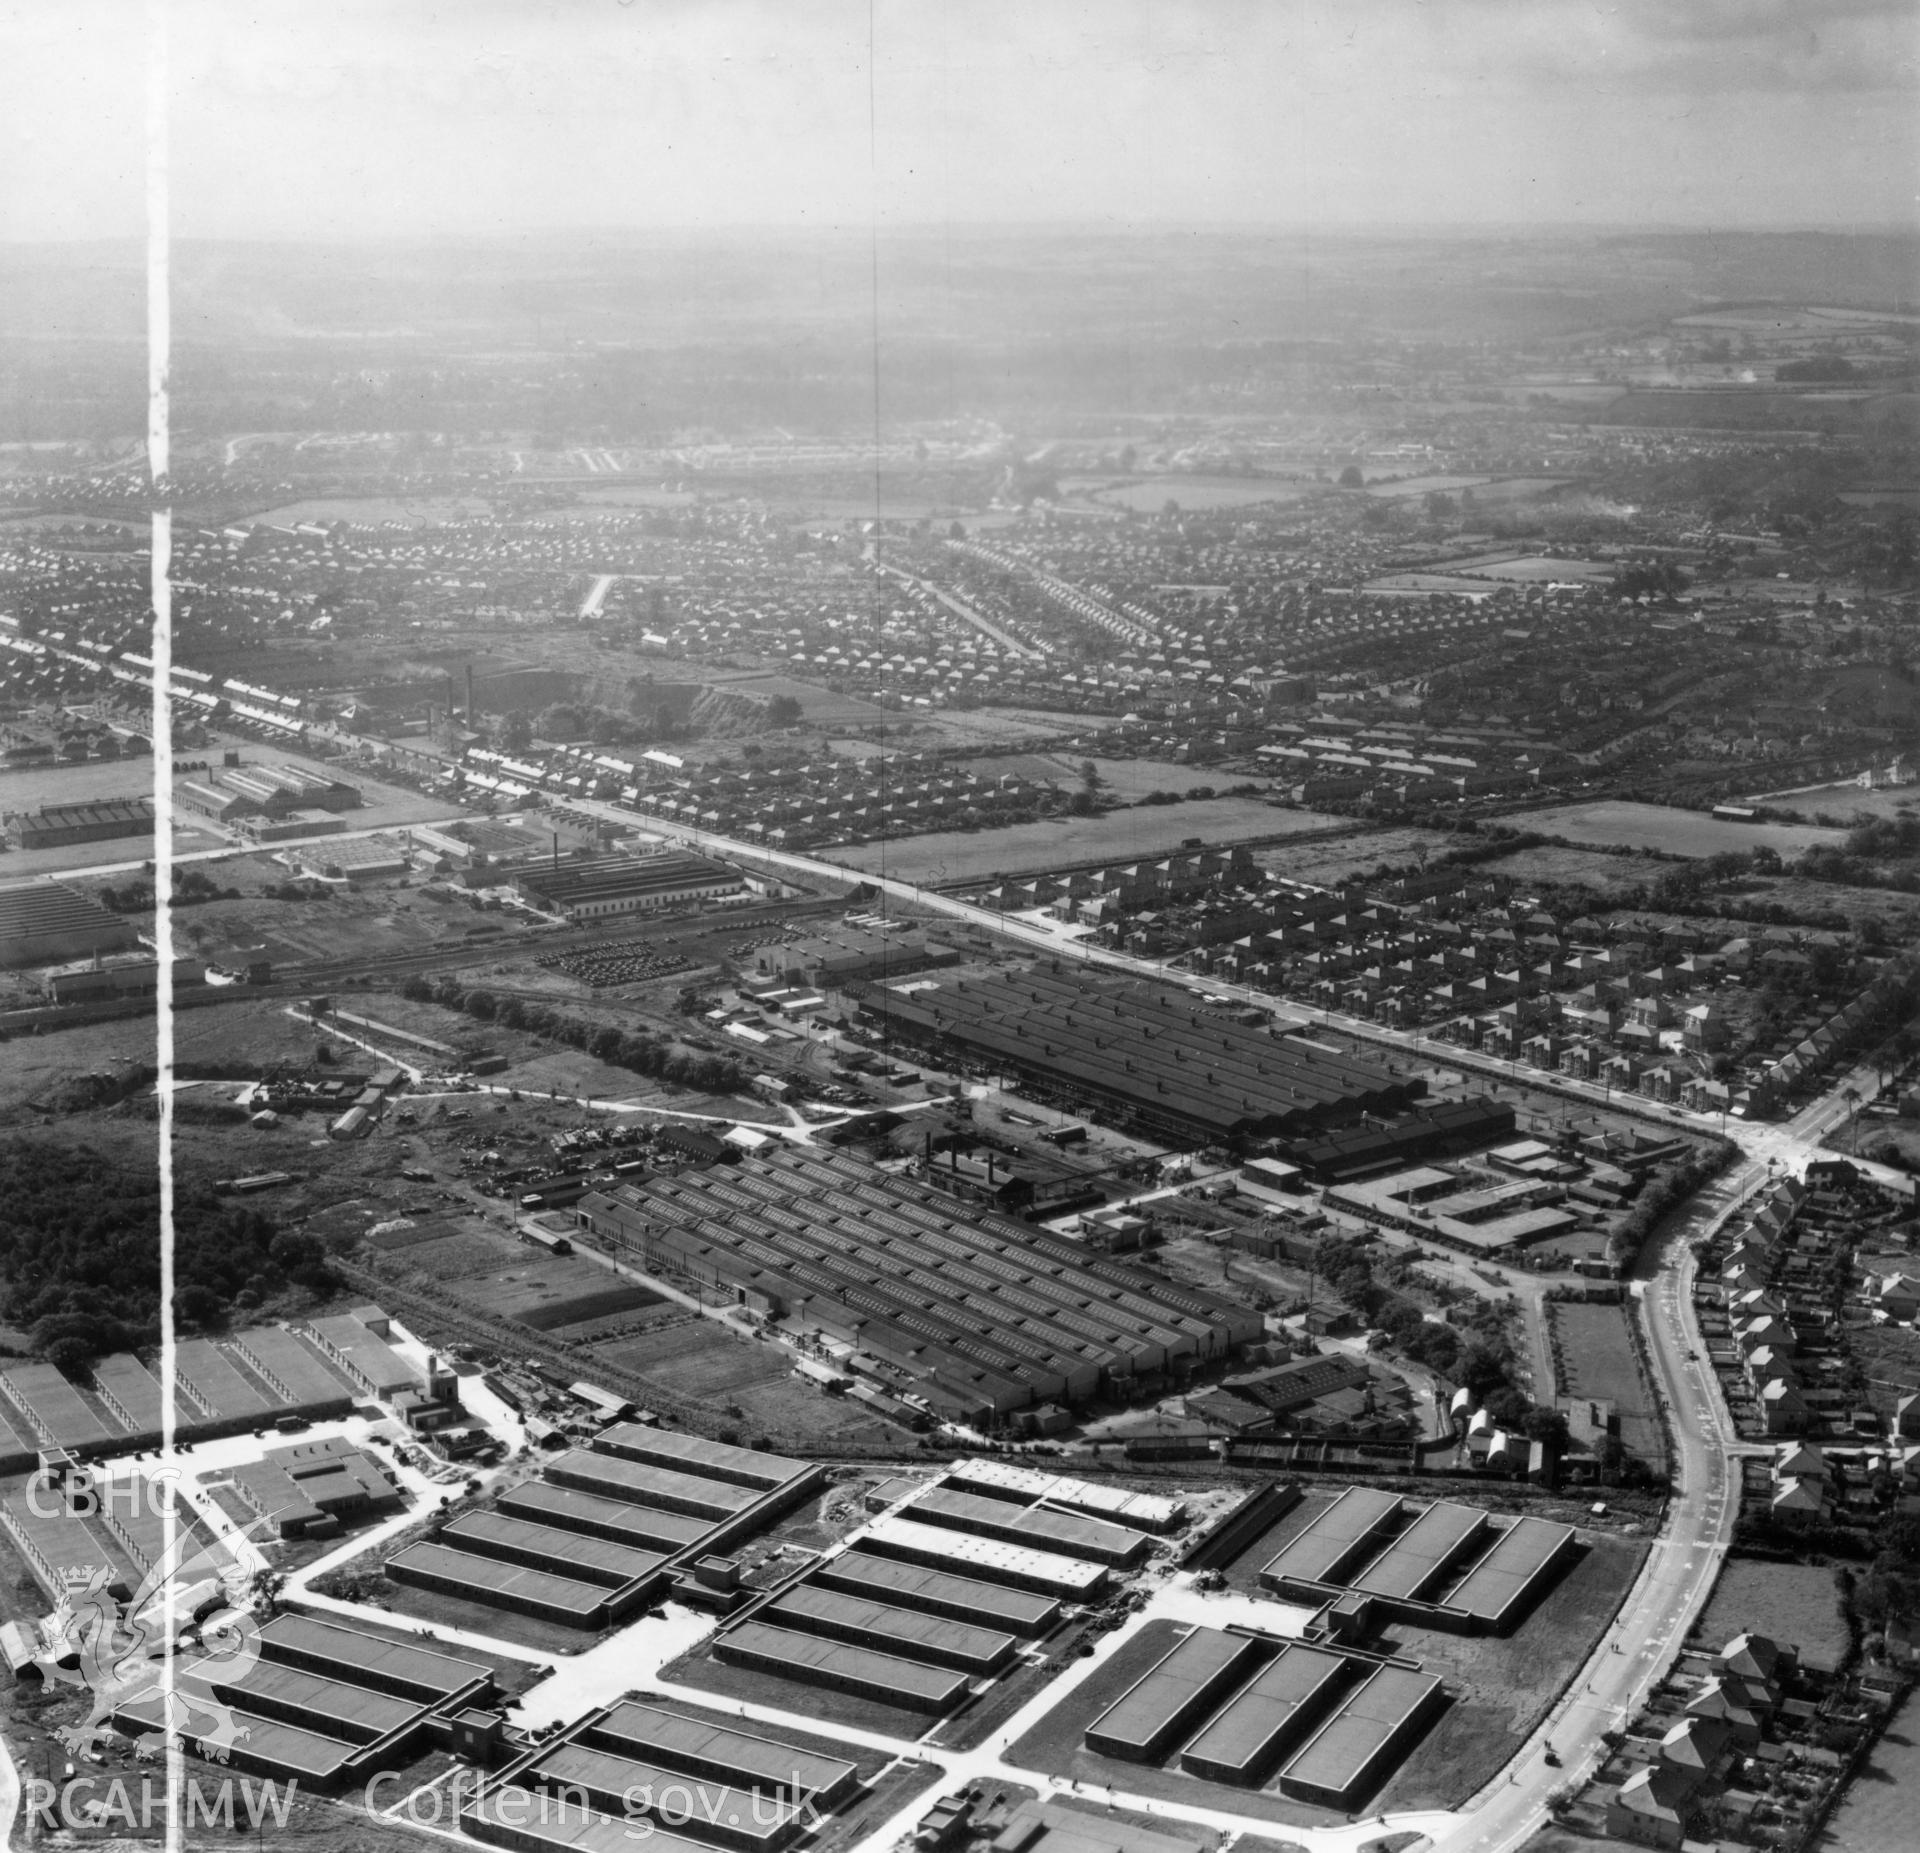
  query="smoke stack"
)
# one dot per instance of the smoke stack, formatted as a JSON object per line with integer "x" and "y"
{"x": 449, "y": 694}
{"x": 556, "y": 851}
{"x": 469, "y": 694}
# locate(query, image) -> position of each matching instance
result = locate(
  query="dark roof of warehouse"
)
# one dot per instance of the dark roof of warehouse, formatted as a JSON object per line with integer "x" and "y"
{"x": 615, "y": 877}
{"x": 1354, "y": 1148}
{"x": 46, "y": 907}
{"x": 1161, "y": 1049}
{"x": 999, "y": 1299}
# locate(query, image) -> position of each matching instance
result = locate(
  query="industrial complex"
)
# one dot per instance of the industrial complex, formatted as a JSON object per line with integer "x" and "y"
{"x": 1154, "y": 1059}
{"x": 973, "y": 1312}
{"x": 609, "y": 1528}
{"x": 1442, "y": 1563}
{"x": 1243, "y": 1708}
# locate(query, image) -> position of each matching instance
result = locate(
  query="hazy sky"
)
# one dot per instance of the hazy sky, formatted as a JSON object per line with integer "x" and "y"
{"x": 338, "y": 118}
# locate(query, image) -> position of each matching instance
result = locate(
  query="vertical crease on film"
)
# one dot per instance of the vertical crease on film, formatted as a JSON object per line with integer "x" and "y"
{"x": 159, "y": 465}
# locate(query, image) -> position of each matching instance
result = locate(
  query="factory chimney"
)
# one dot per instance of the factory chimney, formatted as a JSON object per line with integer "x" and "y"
{"x": 469, "y": 694}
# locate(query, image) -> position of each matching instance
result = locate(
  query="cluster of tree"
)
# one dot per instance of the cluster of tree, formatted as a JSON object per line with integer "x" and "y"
{"x": 633, "y": 1050}
{"x": 1665, "y": 1191}
{"x": 1816, "y": 367}
{"x": 1649, "y": 579}
{"x": 80, "y": 1252}
{"x": 1479, "y": 1356}
{"x": 190, "y": 888}
{"x": 1890, "y": 1589}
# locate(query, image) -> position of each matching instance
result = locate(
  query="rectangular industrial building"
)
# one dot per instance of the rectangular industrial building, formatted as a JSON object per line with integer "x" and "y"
{"x": 1497, "y": 1590}
{"x": 1348, "y": 1532}
{"x": 324, "y": 1703}
{"x": 568, "y": 1509}
{"x": 974, "y": 1312}
{"x": 596, "y": 887}
{"x": 1452, "y": 1566}
{"x": 57, "y": 825}
{"x": 1414, "y": 1564}
{"x": 1146, "y": 1056}
{"x": 956, "y": 1644}
{"x": 695, "y": 1454}
{"x": 367, "y": 1360}
{"x": 645, "y": 1792}
{"x": 1118, "y": 1505}
{"x": 1350, "y": 1755}
{"x": 811, "y": 1659}
{"x": 373, "y": 1661}
{"x": 590, "y": 1471}
{"x": 53, "y": 1408}
{"x": 1072, "y": 1579}
{"x": 533, "y": 1820}
{"x": 46, "y": 921}
{"x": 514, "y": 1539}
{"x": 939, "y": 1592}
{"x": 1038, "y": 1527}
{"x": 720, "y": 1752}
{"x": 1263, "y": 1724}
{"x": 564, "y": 1600}
{"x": 1168, "y": 1700}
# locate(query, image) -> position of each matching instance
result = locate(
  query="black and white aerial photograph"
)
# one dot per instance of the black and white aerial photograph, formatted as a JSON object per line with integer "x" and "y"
{"x": 960, "y": 926}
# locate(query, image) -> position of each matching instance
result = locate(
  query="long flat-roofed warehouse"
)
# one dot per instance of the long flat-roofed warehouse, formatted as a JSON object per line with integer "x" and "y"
{"x": 1149, "y": 1058}
{"x": 604, "y": 885}
{"x": 1451, "y": 1566}
{"x": 1172, "y": 1696}
{"x": 977, "y": 1313}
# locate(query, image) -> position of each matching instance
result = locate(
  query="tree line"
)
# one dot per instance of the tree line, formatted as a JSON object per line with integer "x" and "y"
{"x": 635, "y": 1050}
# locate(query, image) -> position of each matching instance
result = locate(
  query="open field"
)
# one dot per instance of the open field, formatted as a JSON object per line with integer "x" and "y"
{"x": 994, "y": 726}
{"x": 1543, "y": 567}
{"x": 1425, "y": 582}
{"x": 1503, "y": 1687}
{"x": 1157, "y": 830}
{"x": 374, "y": 511}
{"x": 1793, "y": 1602}
{"x": 1680, "y": 833}
{"x": 1426, "y": 485}
{"x": 1584, "y": 868}
{"x": 1149, "y": 495}
{"x": 697, "y": 1359}
{"x": 1596, "y": 1359}
{"x": 1362, "y": 850}
{"x": 1055, "y": 1745}
{"x": 1848, "y": 802}
{"x": 1126, "y": 779}
{"x": 819, "y": 707}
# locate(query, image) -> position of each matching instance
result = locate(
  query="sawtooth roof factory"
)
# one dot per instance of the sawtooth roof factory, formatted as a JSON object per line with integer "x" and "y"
{"x": 1143, "y": 1058}
{"x": 977, "y": 1314}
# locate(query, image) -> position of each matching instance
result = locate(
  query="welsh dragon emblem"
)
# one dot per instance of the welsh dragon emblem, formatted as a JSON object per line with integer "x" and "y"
{"x": 118, "y": 1652}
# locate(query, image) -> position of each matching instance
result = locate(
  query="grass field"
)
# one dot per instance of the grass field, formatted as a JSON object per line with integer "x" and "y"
{"x": 1585, "y": 868}
{"x": 1503, "y": 1687}
{"x": 1362, "y": 849}
{"x": 1596, "y": 1358}
{"x": 1850, "y": 802}
{"x": 1151, "y": 494}
{"x": 1680, "y": 833}
{"x": 1790, "y": 1602}
{"x": 1120, "y": 836}
{"x": 700, "y": 1359}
